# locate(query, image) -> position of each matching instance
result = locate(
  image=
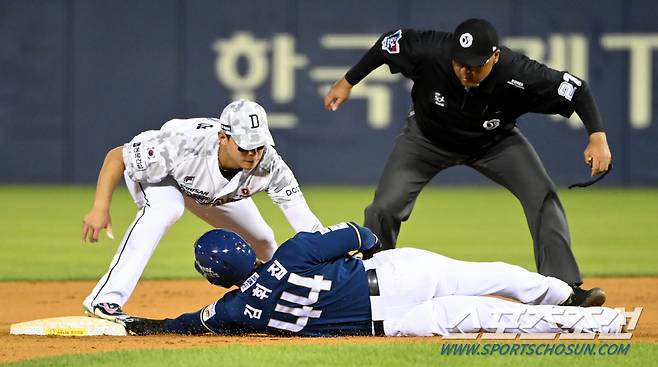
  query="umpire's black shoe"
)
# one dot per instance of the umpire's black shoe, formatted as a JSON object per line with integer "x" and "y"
{"x": 140, "y": 326}
{"x": 585, "y": 298}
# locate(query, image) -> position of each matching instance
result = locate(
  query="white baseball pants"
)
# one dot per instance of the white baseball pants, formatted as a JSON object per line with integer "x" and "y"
{"x": 423, "y": 293}
{"x": 160, "y": 206}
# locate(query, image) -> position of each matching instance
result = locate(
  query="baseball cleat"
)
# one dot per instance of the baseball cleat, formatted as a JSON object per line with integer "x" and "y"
{"x": 585, "y": 298}
{"x": 107, "y": 311}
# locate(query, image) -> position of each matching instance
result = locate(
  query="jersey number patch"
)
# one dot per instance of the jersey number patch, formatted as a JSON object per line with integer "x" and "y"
{"x": 316, "y": 284}
{"x": 568, "y": 87}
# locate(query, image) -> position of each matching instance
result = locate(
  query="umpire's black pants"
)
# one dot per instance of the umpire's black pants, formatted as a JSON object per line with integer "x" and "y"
{"x": 512, "y": 163}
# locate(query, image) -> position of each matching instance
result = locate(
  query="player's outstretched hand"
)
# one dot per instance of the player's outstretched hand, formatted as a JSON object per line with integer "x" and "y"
{"x": 94, "y": 222}
{"x": 597, "y": 153}
{"x": 140, "y": 326}
{"x": 338, "y": 94}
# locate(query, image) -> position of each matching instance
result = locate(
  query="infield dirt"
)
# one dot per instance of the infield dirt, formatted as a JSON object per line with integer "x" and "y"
{"x": 23, "y": 301}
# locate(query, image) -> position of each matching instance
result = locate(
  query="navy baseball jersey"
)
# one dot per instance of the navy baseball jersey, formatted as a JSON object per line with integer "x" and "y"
{"x": 310, "y": 287}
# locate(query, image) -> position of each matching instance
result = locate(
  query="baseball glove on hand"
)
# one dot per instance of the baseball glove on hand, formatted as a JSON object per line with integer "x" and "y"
{"x": 367, "y": 254}
{"x": 140, "y": 326}
{"x": 369, "y": 243}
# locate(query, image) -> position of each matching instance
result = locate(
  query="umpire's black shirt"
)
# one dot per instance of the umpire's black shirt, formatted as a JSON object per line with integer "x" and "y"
{"x": 467, "y": 121}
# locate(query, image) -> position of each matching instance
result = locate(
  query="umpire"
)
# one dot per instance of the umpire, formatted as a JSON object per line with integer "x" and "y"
{"x": 467, "y": 94}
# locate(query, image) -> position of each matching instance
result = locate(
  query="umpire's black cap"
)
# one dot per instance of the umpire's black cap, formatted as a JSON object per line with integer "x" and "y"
{"x": 473, "y": 42}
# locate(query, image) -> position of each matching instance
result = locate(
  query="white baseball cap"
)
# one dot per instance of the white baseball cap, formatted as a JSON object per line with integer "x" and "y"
{"x": 246, "y": 122}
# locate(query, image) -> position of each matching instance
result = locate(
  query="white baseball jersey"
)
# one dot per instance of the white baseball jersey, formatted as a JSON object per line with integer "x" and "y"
{"x": 187, "y": 150}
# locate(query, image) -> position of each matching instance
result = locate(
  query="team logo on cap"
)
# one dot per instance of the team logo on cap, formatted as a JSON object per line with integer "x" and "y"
{"x": 255, "y": 122}
{"x": 466, "y": 40}
{"x": 391, "y": 43}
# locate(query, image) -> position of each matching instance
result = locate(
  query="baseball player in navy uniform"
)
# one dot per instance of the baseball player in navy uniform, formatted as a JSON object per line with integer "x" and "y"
{"x": 206, "y": 165}
{"x": 315, "y": 286}
{"x": 467, "y": 94}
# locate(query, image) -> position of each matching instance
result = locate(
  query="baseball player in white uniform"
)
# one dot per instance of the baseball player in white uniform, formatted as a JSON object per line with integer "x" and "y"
{"x": 209, "y": 166}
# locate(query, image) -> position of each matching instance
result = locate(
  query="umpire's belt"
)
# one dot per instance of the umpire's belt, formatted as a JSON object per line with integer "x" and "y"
{"x": 373, "y": 290}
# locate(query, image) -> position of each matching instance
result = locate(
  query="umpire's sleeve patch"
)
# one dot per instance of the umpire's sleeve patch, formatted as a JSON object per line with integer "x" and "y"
{"x": 391, "y": 43}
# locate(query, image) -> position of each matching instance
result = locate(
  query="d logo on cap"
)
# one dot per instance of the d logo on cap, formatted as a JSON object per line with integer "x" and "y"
{"x": 466, "y": 40}
{"x": 254, "y": 120}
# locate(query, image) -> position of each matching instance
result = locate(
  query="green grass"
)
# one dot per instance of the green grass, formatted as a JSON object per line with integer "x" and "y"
{"x": 614, "y": 231}
{"x": 402, "y": 354}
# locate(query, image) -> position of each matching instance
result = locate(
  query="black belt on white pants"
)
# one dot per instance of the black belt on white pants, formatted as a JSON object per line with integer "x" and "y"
{"x": 373, "y": 290}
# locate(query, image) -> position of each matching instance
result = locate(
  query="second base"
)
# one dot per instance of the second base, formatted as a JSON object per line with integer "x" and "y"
{"x": 68, "y": 326}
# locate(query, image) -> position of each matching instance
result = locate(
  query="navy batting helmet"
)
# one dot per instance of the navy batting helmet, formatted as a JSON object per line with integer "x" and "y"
{"x": 223, "y": 257}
